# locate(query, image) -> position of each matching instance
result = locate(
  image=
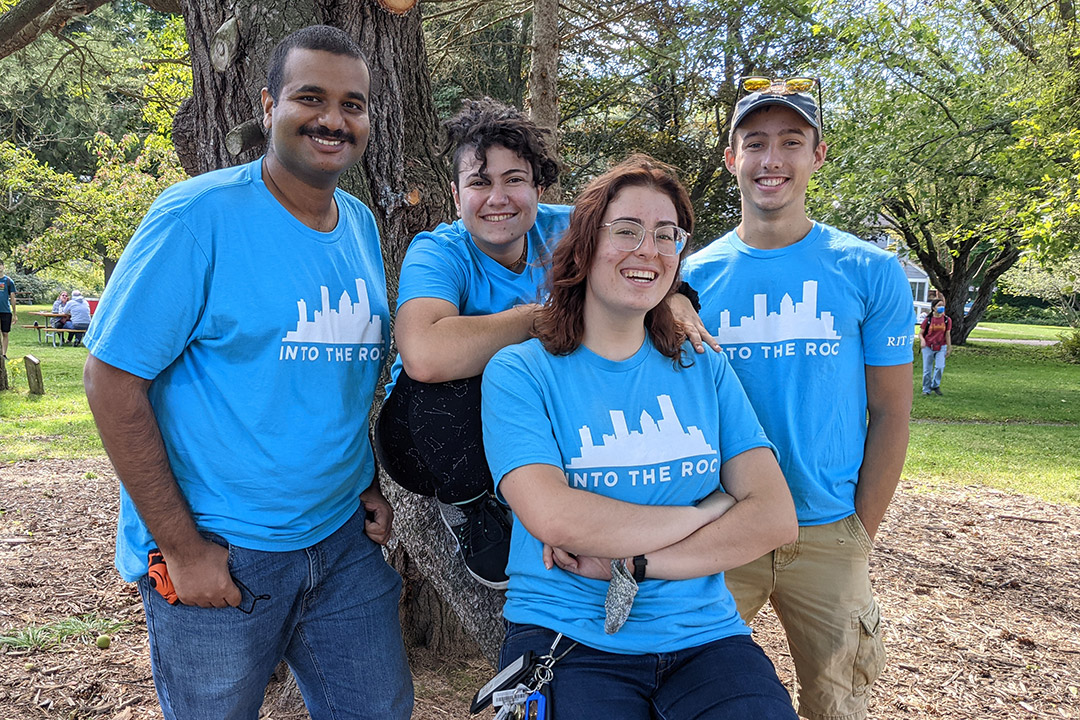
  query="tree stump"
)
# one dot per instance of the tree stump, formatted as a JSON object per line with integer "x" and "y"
{"x": 33, "y": 375}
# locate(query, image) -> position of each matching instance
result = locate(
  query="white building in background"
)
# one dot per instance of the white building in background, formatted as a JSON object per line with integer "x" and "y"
{"x": 917, "y": 277}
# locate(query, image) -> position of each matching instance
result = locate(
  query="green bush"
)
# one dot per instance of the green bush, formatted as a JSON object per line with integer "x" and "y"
{"x": 1070, "y": 345}
{"x": 1024, "y": 315}
{"x": 44, "y": 291}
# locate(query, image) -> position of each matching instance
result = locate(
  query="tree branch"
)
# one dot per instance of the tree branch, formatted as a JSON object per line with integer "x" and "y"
{"x": 25, "y": 22}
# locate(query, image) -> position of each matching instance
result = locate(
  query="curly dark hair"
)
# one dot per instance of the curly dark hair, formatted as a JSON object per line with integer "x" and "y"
{"x": 561, "y": 323}
{"x": 486, "y": 122}
{"x": 313, "y": 37}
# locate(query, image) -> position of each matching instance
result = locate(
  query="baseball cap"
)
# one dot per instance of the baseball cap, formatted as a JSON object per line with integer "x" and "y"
{"x": 801, "y": 103}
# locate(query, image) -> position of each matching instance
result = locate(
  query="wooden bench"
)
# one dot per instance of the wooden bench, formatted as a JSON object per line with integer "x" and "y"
{"x": 57, "y": 334}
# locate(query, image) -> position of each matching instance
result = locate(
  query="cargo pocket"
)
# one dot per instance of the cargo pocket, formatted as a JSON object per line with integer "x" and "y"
{"x": 870, "y": 655}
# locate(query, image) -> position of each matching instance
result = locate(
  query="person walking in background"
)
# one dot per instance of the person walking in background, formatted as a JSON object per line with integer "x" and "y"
{"x": 935, "y": 337}
{"x": 7, "y": 309}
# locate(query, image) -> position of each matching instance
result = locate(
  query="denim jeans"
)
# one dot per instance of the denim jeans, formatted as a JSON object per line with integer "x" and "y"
{"x": 332, "y": 615}
{"x": 727, "y": 679}
{"x": 933, "y": 365}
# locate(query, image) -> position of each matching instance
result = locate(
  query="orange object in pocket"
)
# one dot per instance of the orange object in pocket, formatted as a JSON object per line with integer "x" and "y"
{"x": 159, "y": 577}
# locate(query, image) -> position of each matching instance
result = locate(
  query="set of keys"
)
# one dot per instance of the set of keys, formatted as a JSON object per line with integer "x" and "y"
{"x": 522, "y": 690}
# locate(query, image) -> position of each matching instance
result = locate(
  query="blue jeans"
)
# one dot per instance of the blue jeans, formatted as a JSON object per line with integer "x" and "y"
{"x": 727, "y": 679}
{"x": 933, "y": 365}
{"x": 332, "y": 615}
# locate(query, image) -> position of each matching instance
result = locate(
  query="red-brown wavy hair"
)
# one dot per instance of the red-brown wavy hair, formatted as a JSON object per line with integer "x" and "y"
{"x": 561, "y": 323}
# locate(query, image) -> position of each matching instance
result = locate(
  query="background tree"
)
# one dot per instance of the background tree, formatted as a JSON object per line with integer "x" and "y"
{"x": 1055, "y": 281}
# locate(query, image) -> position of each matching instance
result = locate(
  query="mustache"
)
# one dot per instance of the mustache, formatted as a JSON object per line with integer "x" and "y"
{"x": 321, "y": 131}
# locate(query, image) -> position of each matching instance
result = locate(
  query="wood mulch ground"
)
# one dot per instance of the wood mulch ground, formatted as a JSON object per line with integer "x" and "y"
{"x": 979, "y": 589}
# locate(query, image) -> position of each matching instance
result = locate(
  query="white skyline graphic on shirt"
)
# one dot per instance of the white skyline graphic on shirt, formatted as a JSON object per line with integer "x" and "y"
{"x": 794, "y": 321}
{"x": 350, "y": 324}
{"x": 656, "y": 441}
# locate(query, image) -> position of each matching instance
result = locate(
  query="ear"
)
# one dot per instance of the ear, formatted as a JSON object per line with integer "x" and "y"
{"x": 268, "y": 108}
{"x": 729, "y": 159}
{"x": 457, "y": 200}
{"x": 819, "y": 155}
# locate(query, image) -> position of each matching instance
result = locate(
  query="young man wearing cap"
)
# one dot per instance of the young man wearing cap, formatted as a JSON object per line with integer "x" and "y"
{"x": 817, "y": 324}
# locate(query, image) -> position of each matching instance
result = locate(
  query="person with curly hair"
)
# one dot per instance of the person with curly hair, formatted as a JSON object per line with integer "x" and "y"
{"x": 468, "y": 289}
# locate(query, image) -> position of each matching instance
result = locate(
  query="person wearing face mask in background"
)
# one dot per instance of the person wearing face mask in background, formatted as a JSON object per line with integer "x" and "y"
{"x": 935, "y": 337}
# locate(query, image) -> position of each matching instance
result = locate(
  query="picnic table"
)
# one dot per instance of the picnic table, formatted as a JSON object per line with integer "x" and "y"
{"x": 56, "y": 335}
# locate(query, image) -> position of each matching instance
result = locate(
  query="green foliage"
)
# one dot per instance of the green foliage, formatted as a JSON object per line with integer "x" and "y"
{"x": 1023, "y": 315}
{"x": 40, "y": 289}
{"x": 115, "y": 71}
{"x": 95, "y": 219}
{"x": 168, "y": 76}
{"x": 1055, "y": 280}
{"x": 633, "y": 77}
{"x": 1069, "y": 347}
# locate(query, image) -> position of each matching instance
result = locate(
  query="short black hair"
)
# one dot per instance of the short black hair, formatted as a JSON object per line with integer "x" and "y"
{"x": 313, "y": 37}
{"x": 486, "y": 122}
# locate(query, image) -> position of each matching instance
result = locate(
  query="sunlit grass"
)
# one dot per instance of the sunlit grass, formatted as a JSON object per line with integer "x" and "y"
{"x": 57, "y": 424}
{"x": 84, "y": 628}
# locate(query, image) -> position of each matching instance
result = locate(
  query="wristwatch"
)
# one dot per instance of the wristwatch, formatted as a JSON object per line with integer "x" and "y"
{"x": 639, "y": 567}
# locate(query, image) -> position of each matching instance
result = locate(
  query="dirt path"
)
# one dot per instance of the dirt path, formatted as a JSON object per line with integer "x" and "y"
{"x": 979, "y": 589}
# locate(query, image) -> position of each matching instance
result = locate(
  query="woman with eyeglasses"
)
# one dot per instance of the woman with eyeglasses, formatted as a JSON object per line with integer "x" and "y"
{"x": 637, "y": 474}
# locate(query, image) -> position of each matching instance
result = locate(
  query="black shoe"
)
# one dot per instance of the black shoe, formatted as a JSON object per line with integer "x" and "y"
{"x": 482, "y": 531}
{"x": 937, "y": 391}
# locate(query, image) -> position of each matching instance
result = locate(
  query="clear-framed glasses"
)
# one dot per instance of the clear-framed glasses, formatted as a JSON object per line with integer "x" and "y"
{"x": 627, "y": 236}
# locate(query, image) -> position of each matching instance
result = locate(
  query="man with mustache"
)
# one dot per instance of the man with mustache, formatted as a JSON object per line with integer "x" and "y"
{"x": 240, "y": 437}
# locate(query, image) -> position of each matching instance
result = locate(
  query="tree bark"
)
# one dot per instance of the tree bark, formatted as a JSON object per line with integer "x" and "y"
{"x": 543, "y": 77}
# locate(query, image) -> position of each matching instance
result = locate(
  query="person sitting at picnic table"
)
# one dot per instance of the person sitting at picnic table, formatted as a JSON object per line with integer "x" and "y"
{"x": 79, "y": 316}
{"x": 610, "y": 439}
{"x": 58, "y": 307}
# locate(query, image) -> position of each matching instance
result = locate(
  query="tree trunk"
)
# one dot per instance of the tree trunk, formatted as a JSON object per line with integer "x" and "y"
{"x": 401, "y": 179}
{"x": 543, "y": 76}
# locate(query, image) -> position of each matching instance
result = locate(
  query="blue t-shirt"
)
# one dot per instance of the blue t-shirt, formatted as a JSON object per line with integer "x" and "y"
{"x": 640, "y": 431}
{"x": 264, "y": 412}
{"x": 447, "y": 265}
{"x": 799, "y": 324}
{"x": 7, "y": 289}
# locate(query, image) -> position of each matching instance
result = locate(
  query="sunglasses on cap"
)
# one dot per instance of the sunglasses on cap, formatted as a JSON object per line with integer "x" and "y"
{"x": 784, "y": 86}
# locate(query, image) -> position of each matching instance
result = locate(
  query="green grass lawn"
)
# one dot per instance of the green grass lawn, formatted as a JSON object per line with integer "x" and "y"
{"x": 1012, "y": 331}
{"x": 57, "y": 424}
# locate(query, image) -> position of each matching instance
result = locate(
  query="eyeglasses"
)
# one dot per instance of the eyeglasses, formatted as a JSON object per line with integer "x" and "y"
{"x": 627, "y": 236}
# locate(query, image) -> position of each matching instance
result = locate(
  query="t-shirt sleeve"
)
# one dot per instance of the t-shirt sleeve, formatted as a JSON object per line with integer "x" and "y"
{"x": 162, "y": 268}
{"x": 430, "y": 271}
{"x": 890, "y": 318}
{"x": 740, "y": 429}
{"x": 517, "y": 428}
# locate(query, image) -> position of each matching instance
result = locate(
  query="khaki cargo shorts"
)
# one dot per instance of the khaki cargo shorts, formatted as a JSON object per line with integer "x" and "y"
{"x": 819, "y": 587}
